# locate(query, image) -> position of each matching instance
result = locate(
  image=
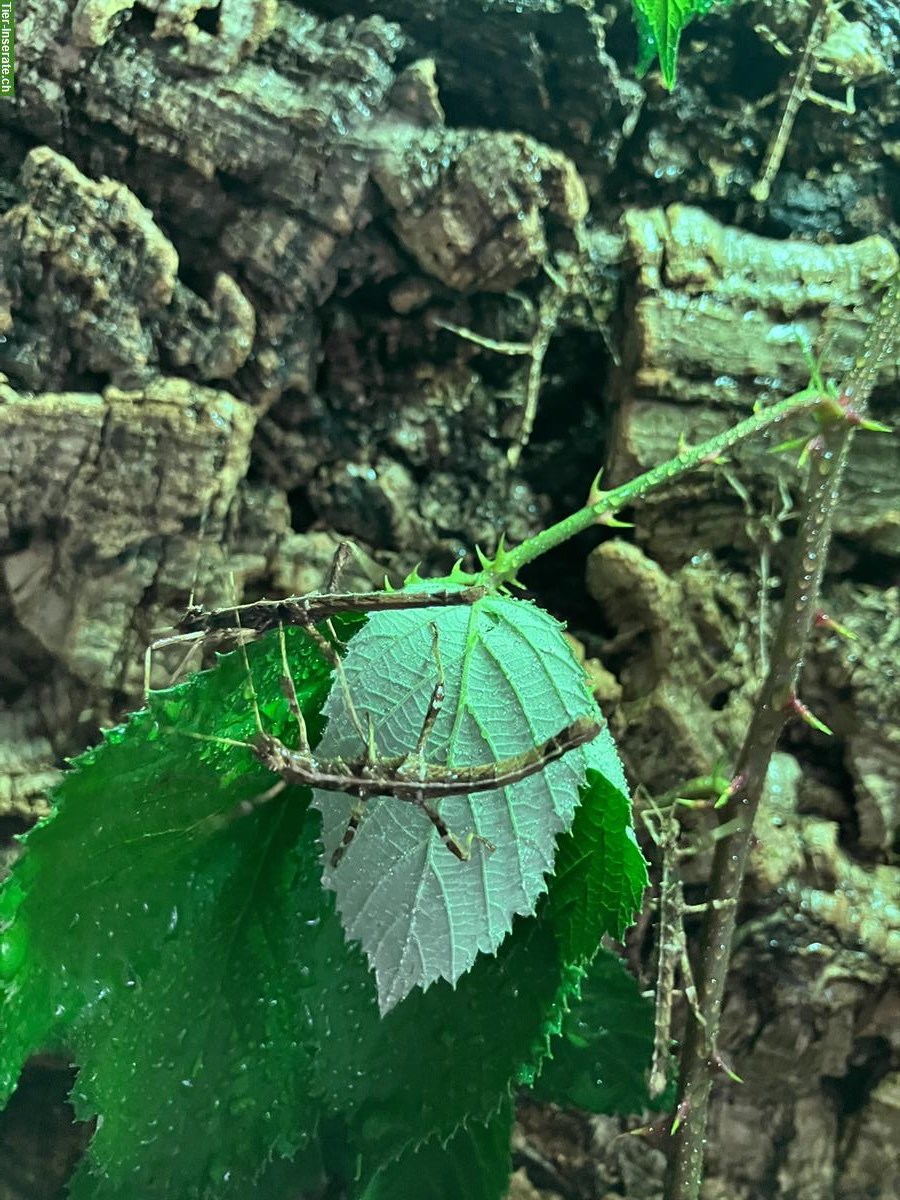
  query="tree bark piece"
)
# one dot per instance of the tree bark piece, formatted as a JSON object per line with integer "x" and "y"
{"x": 93, "y": 486}
{"x": 716, "y": 323}
{"x": 88, "y": 287}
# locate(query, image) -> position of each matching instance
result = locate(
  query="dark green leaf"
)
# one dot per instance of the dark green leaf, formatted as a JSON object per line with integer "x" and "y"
{"x": 601, "y": 1061}
{"x": 444, "y": 1056}
{"x": 473, "y": 1165}
{"x": 600, "y": 872}
{"x": 167, "y": 943}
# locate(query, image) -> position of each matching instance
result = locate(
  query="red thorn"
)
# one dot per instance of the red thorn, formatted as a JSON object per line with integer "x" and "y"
{"x": 822, "y": 621}
{"x": 682, "y": 1112}
{"x": 796, "y": 707}
{"x": 719, "y": 1064}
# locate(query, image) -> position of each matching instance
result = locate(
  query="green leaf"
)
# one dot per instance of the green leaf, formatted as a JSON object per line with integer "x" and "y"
{"x": 192, "y": 962}
{"x": 444, "y": 1056}
{"x": 660, "y": 24}
{"x": 600, "y": 872}
{"x": 473, "y": 1165}
{"x": 600, "y": 1062}
{"x": 167, "y": 944}
{"x": 511, "y": 682}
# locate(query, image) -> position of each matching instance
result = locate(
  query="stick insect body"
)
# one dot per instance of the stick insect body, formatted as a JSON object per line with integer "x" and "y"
{"x": 407, "y": 777}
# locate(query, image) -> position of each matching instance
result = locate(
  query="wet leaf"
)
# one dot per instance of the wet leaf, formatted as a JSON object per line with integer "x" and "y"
{"x": 601, "y": 1061}
{"x": 660, "y": 25}
{"x": 511, "y": 682}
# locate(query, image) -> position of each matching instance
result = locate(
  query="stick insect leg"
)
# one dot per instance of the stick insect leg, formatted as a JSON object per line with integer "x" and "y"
{"x": 242, "y": 646}
{"x": 196, "y": 640}
{"x": 353, "y": 824}
{"x": 221, "y": 820}
{"x": 437, "y": 697}
{"x": 461, "y": 851}
{"x": 687, "y": 982}
{"x": 334, "y": 658}
{"x": 248, "y": 806}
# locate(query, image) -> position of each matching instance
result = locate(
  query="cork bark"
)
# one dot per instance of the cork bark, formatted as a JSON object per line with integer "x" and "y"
{"x": 272, "y": 274}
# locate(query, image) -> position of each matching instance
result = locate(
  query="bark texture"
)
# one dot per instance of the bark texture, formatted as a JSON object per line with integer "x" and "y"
{"x": 411, "y": 271}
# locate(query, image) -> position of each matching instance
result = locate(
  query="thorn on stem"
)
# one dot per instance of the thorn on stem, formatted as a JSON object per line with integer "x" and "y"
{"x": 595, "y": 493}
{"x": 682, "y": 1112}
{"x": 612, "y": 522}
{"x": 796, "y": 706}
{"x": 822, "y": 621}
{"x": 718, "y": 1063}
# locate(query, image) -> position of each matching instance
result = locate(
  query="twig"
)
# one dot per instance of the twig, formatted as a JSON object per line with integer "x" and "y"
{"x": 603, "y": 505}
{"x": 828, "y": 454}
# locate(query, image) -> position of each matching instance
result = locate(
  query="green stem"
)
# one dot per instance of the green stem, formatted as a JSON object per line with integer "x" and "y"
{"x": 508, "y": 563}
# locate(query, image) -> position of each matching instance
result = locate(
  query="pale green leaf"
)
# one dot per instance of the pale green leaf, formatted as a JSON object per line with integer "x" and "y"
{"x": 511, "y": 682}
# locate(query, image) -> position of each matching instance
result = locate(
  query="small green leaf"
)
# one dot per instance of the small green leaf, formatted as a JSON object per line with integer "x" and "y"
{"x": 600, "y": 1062}
{"x": 660, "y": 24}
{"x": 600, "y": 872}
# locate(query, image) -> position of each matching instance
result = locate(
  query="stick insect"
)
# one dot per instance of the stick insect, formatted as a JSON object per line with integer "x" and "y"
{"x": 672, "y": 952}
{"x": 240, "y": 622}
{"x": 833, "y": 46}
{"x": 407, "y": 777}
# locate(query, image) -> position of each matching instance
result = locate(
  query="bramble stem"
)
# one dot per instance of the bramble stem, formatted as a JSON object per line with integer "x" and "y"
{"x": 509, "y": 562}
{"x": 827, "y": 459}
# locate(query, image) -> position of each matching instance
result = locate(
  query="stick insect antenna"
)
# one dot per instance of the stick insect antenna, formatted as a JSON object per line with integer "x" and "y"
{"x": 290, "y": 692}
{"x": 242, "y": 646}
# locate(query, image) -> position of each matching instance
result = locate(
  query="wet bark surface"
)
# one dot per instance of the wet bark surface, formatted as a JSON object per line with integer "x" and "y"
{"x": 411, "y": 271}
